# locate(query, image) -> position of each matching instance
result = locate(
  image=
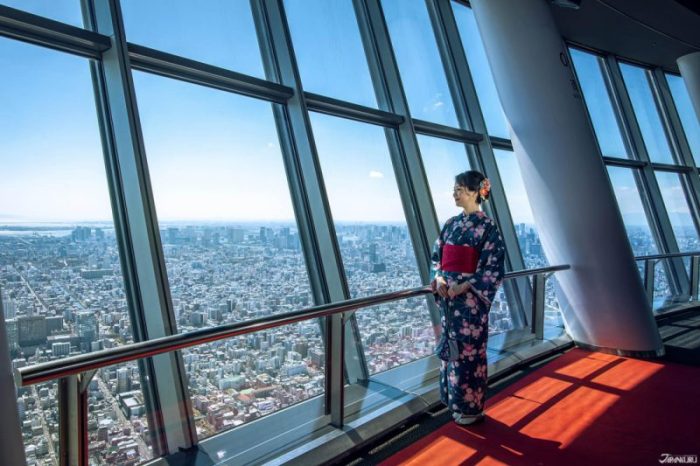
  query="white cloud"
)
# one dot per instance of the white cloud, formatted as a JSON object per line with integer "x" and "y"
{"x": 376, "y": 174}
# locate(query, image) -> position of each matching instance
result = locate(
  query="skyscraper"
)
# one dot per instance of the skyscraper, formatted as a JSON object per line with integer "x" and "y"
{"x": 123, "y": 380}
{"x": 86, "y": 328}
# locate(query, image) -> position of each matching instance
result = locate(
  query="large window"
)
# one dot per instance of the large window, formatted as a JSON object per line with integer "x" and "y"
{"x": 231, "y": 245}
{"x": 496, "y": 122}
{"x": 374, "y": 242}
{"x": 217, "y": 32}
{"x": 686, "y": 112}
{"x": 422, "y": 72}
{"x": 61, "y": 282}
{"x": 638, "y": 82}
{"x": 329, "y": 50}
{"x": 591, "y": 73}
{"x": 653, "y": 135}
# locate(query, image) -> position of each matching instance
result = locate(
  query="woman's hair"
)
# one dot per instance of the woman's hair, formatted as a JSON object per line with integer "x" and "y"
{"x": 475, "y": 181}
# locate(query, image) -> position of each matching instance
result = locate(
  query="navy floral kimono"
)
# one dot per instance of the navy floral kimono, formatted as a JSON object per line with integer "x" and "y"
{"x": 465, "y": 318}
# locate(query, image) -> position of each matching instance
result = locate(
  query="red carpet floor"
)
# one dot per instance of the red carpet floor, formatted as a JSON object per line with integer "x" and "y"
{"x": 583, "y": 408}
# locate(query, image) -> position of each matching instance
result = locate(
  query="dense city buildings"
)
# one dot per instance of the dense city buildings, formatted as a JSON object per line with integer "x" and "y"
{"x": 62, "y": 294}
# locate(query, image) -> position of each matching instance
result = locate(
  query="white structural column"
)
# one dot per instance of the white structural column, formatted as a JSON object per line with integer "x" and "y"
{"x": 689, "y": 66}
{"x": 572, "y": 200}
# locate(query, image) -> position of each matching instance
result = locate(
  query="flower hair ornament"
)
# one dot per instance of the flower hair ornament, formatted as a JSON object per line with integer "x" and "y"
{"x": 484, "y": 188}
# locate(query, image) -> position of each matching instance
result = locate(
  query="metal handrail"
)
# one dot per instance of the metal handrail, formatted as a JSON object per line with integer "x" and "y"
{"x": 650, "y": 262}
{"x": 526, "y": 272}
{"x": 30, "y": 375}
{"x": 666, "y": 256}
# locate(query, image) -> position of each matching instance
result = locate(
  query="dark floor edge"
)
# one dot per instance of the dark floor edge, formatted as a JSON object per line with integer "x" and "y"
{"x": 639, "y": 354}
{"x": 671, "y": 313}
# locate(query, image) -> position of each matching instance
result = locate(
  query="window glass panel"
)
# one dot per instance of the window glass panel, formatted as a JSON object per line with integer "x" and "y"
{"x": 688, "y": 116}
{"x": 521, "y": 212}
{"x": 373, "y": 236}
{"x": 678, "y": 210}
{"x": 329, "y": 50}
{"x": 443, "y": 160}
{"x": 61, "y": 283}
{"x": 419, "y": 61}
{"x": 66, "y": 11}
{"x": 590, "y": 72}
{"x": 395, "y": 333}
{"x": 645, "y": 109}
{"x": 231, "y": 244}
{"x": 526, "y": 230}
{"x": 241, "y": 379}
{"x": 496, "y": 122}
{"x": 217, "y": 32}
{"x": 632, "y": 209}
{"x": 637, "y": 225}
{"x": 663, "y": 294}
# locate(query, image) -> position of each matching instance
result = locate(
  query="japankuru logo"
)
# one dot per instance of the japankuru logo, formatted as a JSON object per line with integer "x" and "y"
{"x": 678, "y": 459}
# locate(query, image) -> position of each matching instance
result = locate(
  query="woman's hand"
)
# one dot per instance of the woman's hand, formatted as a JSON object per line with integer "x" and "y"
{"x": 439, "y": 286}
{"x": 456, "y": 290}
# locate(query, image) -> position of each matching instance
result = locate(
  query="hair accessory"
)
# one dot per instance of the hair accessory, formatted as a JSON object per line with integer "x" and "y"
{"x": 484, "y": 188}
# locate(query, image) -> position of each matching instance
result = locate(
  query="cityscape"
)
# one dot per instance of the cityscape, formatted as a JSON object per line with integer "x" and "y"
{"x": 62, "y": 293}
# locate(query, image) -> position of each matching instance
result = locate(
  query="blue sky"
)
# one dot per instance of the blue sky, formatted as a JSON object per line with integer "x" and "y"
{"x": 50, "y": 150}
{"x": 213, "y": 155}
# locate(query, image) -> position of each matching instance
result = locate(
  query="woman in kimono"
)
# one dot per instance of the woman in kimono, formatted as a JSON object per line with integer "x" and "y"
{"x": 468, "y": 268}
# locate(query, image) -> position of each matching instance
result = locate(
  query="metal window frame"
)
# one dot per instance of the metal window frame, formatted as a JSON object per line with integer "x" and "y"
{"x": 403, "y": 145}
{"x": 647, "y": 185}
{"x": 675, "y": 269}
{"x": 185, "y": 69}
{"x": 678, "y": 140}
{"x": 34, "y": 29}
{"x": 169, "y": 409}
{"x": 344, "y": 358}
{"x": 633, "y": 161}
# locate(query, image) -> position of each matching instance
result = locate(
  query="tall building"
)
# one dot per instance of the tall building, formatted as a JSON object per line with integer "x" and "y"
{"x": 12, "y": 335}
{"x": 8, "y": 306}
{"x": 123, "y": 380}
{"x": 87, "y": 328}
{"x": 2, "y": 306}
{"x": 31, "y": 330}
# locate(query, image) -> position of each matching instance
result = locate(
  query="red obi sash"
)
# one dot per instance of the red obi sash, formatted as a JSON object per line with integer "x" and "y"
{"x": 459, "y": 259}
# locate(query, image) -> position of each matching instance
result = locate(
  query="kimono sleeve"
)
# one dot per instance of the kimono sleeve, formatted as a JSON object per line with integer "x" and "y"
{"x": 490, "y": 268}
{"x": 436, "y": 256}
